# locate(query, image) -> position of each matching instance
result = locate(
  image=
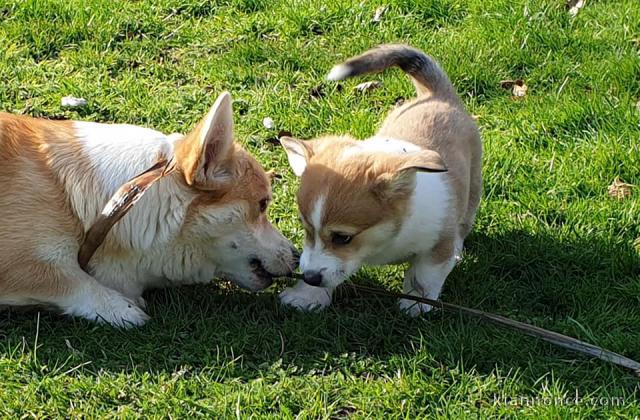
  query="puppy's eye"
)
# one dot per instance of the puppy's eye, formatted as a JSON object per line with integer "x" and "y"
{"x": 263, "y": 205}
{"x": 340, "y": 239}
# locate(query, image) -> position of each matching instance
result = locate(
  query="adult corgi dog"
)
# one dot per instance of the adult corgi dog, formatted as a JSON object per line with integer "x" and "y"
{"x": 207, "y": 218}
{"x": 408, "y": 194}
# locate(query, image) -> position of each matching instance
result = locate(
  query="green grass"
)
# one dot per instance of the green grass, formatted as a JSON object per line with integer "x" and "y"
{"x": 549, "y": 248}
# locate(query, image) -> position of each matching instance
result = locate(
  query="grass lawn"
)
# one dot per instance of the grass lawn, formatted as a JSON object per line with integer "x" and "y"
{"x": 550, "y": 246}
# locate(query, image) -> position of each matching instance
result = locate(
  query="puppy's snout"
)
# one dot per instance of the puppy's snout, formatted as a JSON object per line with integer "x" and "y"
{"x": 313, "y": 278}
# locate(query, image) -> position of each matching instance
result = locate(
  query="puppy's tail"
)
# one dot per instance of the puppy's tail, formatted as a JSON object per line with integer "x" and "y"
{"x": 428, "y": 77}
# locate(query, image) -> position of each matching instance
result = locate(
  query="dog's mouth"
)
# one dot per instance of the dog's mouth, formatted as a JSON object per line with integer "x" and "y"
{"x": 262, "y": 273}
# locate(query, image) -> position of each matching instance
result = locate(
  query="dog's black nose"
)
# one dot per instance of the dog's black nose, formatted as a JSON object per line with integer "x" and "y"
{"x": 313, "y": 278}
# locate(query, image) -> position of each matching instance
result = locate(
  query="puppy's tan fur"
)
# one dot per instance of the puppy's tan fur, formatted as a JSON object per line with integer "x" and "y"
{"x": 379, "y": 192}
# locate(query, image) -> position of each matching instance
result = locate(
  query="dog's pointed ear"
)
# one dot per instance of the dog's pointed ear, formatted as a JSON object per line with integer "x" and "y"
{"x": 401, "y": 178}
{"x": 202, "y": 153}
{"x": 298, "y": 152}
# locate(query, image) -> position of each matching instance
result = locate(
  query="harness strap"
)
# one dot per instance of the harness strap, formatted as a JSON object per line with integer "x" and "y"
{"x": 118, "y": 205}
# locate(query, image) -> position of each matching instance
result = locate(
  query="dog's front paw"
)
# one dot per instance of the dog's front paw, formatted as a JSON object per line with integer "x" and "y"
{"x": 110, "y": 307}
{"x": 140, "y": 302}
{"x": 306, "y": 298}
{"x": 122, "y": 312}
{"x": 413, "y": 308}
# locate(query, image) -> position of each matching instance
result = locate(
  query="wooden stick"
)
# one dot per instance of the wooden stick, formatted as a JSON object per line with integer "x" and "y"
{"x": 546, "y": 335}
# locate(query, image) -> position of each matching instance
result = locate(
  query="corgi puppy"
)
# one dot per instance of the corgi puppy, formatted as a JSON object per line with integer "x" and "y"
{"x": 207, "y": 218}
{"x": 408, "y": 194}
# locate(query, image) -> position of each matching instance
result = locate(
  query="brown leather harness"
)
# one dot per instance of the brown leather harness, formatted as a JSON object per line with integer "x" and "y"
{"x": 118, "y": 205}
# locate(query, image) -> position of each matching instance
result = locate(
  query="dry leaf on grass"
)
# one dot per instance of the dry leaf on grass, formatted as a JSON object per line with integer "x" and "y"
{"x": 374, "y": 84}
{"x": 380, "y": 11}
{"x": 620, "y": 190}
{"x": 574, "y": 6}
{"x": 517, "y": 87}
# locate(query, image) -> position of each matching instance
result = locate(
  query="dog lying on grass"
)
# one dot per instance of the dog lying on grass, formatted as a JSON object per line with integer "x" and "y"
{"x": 205, "y": 219}
{"x": 408, "y": 194}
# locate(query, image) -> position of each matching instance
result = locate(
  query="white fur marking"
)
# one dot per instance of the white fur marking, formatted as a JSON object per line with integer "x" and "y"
{"x": 316, "y": 215}
{"x": 339, "y": 72}
{"x": 316, "y": 258}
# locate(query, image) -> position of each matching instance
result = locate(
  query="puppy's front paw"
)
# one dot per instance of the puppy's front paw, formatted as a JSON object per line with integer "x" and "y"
{"x": 306, "y": 298}
{"x": 413, "y": 308}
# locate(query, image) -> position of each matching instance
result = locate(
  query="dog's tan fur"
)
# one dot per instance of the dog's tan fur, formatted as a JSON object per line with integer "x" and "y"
{"x": 371, "y": 193}
{"x": 207, "y": 218}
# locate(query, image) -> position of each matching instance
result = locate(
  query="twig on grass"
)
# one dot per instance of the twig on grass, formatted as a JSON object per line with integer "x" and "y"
{"x": 546, "y": 335}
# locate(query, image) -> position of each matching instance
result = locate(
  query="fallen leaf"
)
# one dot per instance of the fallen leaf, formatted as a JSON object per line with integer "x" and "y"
{"x": 380, "y": 11}
{"x": 374, "y": 84}
{"x": 268, "y": 123}
{"x": 519, "y": 90}
{"x": 73, "y": 102}
{"x": 620, "y": 190}
{"x": 574, "y": 6}
{"x": 517, "y": 87}
{"x": 399, "y": 101}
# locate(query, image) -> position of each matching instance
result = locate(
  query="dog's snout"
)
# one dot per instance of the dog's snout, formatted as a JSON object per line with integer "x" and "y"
{"x": 313, "y": 278}
{"x": 296, "y": 257}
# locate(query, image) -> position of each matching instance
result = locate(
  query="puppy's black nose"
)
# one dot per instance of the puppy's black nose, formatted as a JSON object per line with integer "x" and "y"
{"x": 313, "y": 278}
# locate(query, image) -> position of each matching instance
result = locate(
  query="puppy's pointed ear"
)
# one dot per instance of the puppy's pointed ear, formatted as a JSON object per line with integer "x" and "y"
{"x": 298, "y": 152}
{"x": 401, "y": 178}
{"x": 203, "y": 153}
{"x": 423, "y": 161}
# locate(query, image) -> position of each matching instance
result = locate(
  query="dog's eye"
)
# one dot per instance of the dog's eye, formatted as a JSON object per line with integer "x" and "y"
{"x": 340, "y": 239}
{"x": 263, "y": 205}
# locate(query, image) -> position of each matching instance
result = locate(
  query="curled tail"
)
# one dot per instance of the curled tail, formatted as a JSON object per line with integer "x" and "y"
{"x": 427, "y": 75}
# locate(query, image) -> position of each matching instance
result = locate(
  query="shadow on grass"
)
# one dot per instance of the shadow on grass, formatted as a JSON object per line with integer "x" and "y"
{"x": 587, "y": 288}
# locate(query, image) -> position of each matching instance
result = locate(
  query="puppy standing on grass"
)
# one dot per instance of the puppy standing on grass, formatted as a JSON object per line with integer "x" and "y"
{"x": 408, "y": 194}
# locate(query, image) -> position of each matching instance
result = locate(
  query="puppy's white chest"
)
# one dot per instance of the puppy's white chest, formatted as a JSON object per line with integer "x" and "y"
{"x": 424, "y": 222}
